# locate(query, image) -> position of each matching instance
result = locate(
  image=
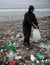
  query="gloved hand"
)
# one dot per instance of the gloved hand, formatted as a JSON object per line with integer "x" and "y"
{"x": 38, "y": 27}
{"x": 34, "y": 26}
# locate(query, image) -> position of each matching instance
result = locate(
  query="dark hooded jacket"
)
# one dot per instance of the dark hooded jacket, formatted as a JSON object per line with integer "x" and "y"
{"x": 30, "y": 18}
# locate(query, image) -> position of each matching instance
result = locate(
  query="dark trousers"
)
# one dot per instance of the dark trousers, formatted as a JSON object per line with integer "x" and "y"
{"x": 27, "y": 33}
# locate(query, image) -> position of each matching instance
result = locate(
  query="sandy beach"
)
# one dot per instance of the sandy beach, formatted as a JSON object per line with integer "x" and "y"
{"x": 12, "y": 31}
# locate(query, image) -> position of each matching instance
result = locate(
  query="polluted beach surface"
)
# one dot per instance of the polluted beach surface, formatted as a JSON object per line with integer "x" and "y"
{"x": 11, "y": 40}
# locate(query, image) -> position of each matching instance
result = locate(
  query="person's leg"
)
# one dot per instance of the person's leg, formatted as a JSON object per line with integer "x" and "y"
{"x": 28, "y": 36}
{"x": 28, "y": 40}
{"x": 25, "y": 41}
{"x": 25, "y": 35}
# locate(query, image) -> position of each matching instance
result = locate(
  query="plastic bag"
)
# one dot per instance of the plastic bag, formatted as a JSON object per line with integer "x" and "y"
{"x": 36, "y": 35}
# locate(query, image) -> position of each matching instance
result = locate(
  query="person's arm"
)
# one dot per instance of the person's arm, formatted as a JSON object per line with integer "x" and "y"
{"x": 35, "y": 21}
{"x": 27, "y": 18}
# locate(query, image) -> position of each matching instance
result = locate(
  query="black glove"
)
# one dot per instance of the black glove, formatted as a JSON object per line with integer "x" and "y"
{"x": 34, "y": 26}
{"x": 38, "y": 27}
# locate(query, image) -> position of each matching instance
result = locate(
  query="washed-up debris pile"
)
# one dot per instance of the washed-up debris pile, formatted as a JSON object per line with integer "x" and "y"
{"x": 27, "y": 56}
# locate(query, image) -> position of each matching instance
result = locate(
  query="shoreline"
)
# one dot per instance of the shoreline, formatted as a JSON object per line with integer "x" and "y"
{"x": 13, "y": 19}
{"x": 18, "y": 14}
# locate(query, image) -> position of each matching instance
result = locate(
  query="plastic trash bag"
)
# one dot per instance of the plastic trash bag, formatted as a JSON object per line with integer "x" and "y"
{"x": 36, "y": 35}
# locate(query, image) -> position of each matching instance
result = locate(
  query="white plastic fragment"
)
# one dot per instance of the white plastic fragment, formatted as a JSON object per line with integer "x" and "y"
{"x": 32, "y": 58}
{"x": 18, "y": 57}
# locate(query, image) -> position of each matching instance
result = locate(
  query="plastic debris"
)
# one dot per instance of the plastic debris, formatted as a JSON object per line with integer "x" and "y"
{"x": 32, "y": 58}
{"x": 18, "y": 57}
{"x": 1, "y": 51}
{"x": 10, "y": 46}
{"x": 10, "y": 56}
{"x": 40, "y": 57}
{"x": 47, "y": 60}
